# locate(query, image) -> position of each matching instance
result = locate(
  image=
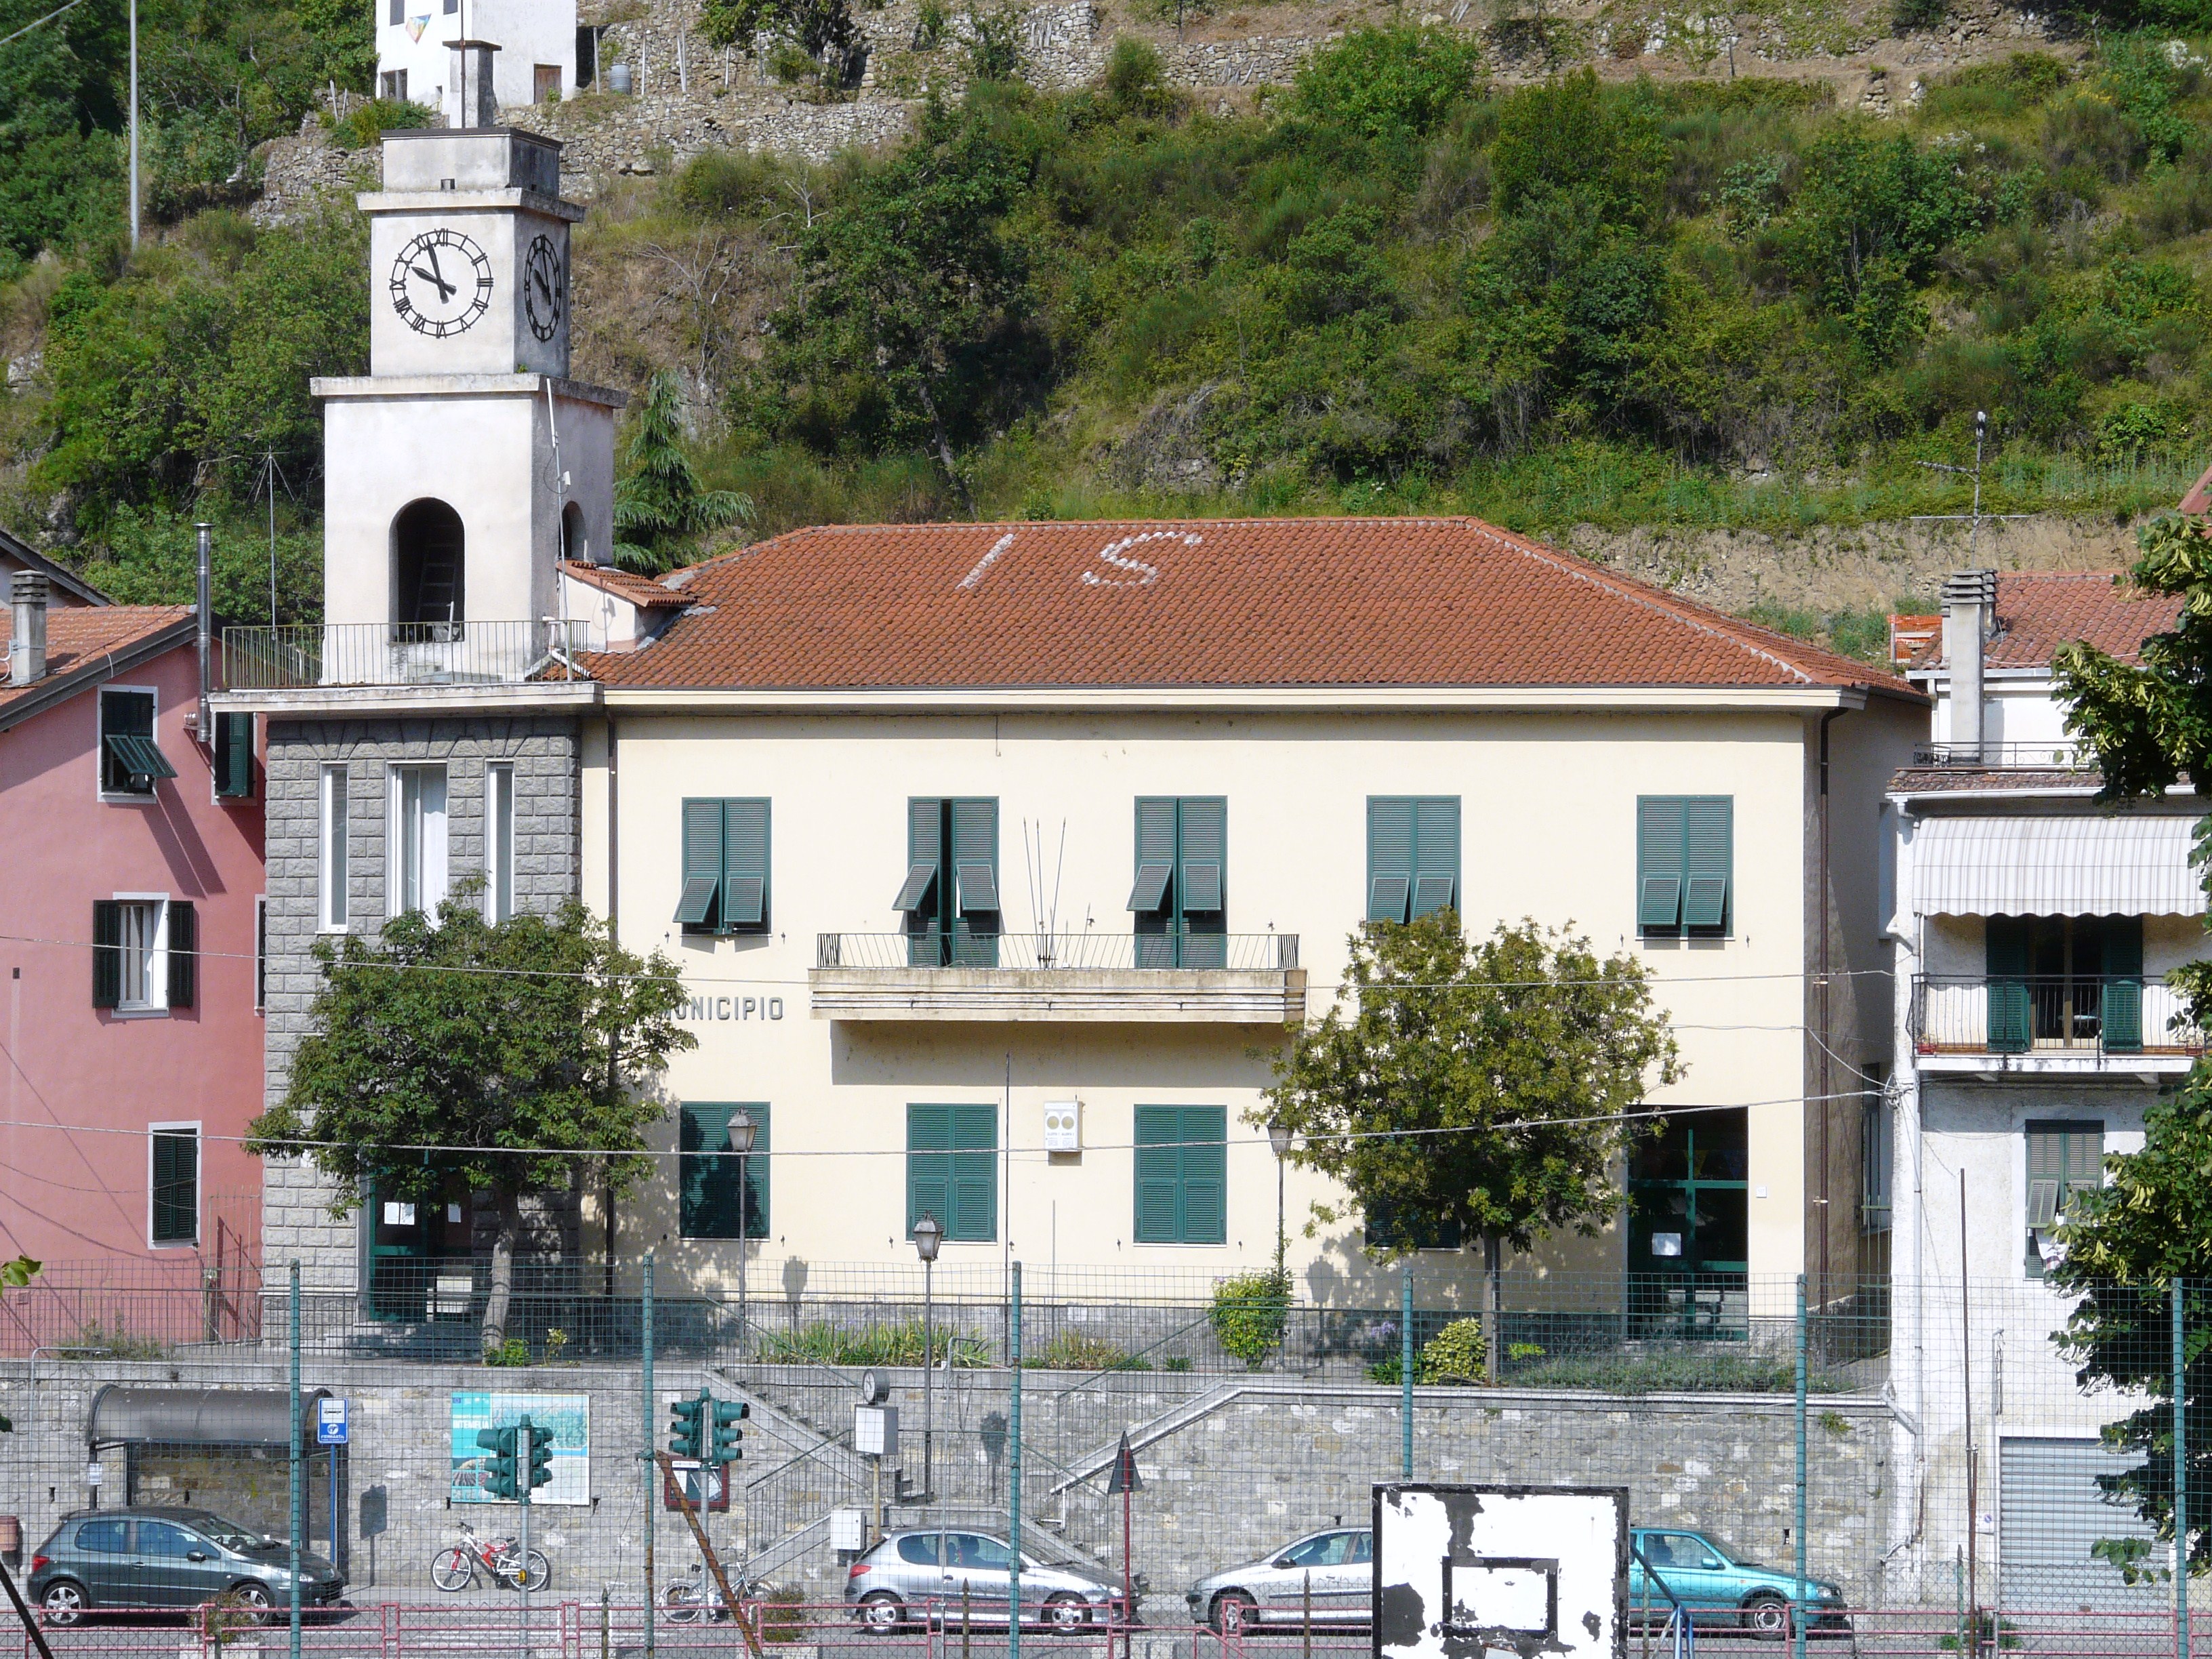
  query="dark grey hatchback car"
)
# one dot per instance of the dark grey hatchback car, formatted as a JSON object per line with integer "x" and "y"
{"x": 148, "y": 1559}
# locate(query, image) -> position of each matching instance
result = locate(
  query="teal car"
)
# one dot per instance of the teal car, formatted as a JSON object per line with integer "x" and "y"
{"x": 1718, "y": 1588}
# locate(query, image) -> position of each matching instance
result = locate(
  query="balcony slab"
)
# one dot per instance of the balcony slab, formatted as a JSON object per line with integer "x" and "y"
{"x": 1057, "y": 995}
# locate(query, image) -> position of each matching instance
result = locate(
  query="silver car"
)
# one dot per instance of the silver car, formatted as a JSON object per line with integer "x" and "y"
{"x": 1327, "y": 1576}
{"x": 922, "y": 1575}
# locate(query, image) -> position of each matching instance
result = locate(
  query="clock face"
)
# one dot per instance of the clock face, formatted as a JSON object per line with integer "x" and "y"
{"x": 441, "y": 284}
{"x": 544, "y": 293}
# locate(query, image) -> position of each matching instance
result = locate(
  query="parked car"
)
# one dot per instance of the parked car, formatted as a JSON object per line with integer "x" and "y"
{"x": 1338, "y": 1564}
{"x": 920, "y": 1575}
{"x": 1332, "y": 1574}
{"x": 149, "y": 1557}
{"x": 1719, "y": 1588}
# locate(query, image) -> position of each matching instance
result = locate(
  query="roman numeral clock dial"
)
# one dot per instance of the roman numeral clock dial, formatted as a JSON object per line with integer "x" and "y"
{"x": 441, "y": 284}
{"x": 545, "y": 295}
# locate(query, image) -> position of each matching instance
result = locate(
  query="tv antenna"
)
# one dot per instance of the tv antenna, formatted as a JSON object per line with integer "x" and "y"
{"x": 1974, "y": 535}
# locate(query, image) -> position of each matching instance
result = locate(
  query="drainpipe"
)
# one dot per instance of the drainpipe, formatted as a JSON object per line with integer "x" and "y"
{"x": 1970, "y": 601}
{"x": 1825, "y": 1202}
{"x": 205, "y": 617}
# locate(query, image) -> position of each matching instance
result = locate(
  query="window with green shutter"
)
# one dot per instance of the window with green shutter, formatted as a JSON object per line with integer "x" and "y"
{"x": 175, "y": 1189}
{"x": 1183, "y": 1175}
{"x": 1684, "y": 866}
{"x": 952, "y": 1168}
{"x": 949, "y": 896}
{"x": 234, "y": 757}
{"x": 718, "y": 1189}
{"x": 1179, "y": 896}
{"x": 131, "y": 762}
{"x": 1388, "y": 1227}
{"x": 2064, "y": 1156}
{"x": 725, "y": 867}
{"x": 1412, "y": 856}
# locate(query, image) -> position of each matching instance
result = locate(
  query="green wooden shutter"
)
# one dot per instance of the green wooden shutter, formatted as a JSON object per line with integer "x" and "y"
{"x": 234, "y": 757}
{"x": 756, "y": 1172}
{"x": 1153, "y": 897}
{"x": 698, "y": 909}
{"x": 745, "y": 864}
{"x": 1659, "y": 835}
{"x": 2011, "y": 1024}
{"x": 175, "y": 1187}
{"x": 920, "y": 896}
{"x": 1708, "y": 861}
{"x": 708, "y": 1206}
{"x": 974, "y": 1172}
{"x": 975, "y": 826}
{"x": 1389, "y": 857}
{"x": 1201, "y": 881}
{"x": 1436, "y": 854}
{"x": 107, "y": 953}
{"x": 1159, "y": 1174}
{"x": 928, "y": 1169}
{"x": 1205, "y": 1134}
{"x": 184, "y": 954}
{"x": 2123, "y": 993}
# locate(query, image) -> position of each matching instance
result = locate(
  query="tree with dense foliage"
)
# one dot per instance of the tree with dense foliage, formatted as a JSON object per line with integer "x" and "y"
{"x": 2126, "y": 1244}
{"x": 1478, "y": 1089}
{"x": 505, "y": 1058}
{"x": 659, "y": 496}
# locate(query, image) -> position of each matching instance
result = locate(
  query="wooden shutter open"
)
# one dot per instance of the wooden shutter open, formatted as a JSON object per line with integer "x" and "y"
{"x": 184, "y": 954}
{"x": 107, "y": 953}
{"x": 2011, "y": 1020}
{"x": 2122, "y": 1021}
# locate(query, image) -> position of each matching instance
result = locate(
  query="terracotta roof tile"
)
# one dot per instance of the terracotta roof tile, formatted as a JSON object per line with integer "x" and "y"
{"x": 2038, "y": 612}
{"x": 78, "y": 632}
{"x": 1343, "y": 602}
{"x": 640, "y": 591}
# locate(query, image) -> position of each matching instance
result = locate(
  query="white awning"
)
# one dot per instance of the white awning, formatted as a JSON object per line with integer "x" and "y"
{"x": 2132, "y": 865}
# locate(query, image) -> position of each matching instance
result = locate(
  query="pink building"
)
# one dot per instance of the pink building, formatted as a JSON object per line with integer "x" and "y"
{"x": 130, "y": 876}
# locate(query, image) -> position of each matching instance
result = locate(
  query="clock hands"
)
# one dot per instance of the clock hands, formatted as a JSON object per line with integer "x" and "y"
{"x": 435, "y": 274}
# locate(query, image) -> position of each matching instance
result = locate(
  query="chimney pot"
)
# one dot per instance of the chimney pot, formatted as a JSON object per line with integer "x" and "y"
{"x": 1970, "y": 603}
{"x": 26, "y": 641}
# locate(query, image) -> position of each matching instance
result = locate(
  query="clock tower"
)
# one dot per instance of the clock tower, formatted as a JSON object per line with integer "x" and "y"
{"x": 465, "y": 464}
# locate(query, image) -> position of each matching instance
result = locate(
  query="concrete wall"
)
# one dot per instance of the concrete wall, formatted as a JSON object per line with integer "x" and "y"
{"x": 542, "y": 750}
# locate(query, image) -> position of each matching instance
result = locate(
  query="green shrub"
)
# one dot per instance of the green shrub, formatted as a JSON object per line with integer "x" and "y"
{"x": 365, "y": 128}
{"x": 515, "y": 1350}
{"x": 1456, "y": 1353}
{"x": 1073, "y": 1350}
{"x": 1250, "y": 1313}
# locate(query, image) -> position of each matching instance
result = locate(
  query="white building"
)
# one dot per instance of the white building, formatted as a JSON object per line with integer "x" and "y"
{"x": 2033, "y": 928}
{"x": 417, "y": 58}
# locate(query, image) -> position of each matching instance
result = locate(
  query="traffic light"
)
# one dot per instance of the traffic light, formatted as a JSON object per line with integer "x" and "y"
{"x": 687, "y": 1431}
{"x": 499, "y": 1469}
{"x": 541, "y": 1455}
{"x": 728, "y": 1414}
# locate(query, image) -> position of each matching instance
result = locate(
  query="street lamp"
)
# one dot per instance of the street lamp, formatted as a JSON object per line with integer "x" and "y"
{"x": 928, "y": 1234}
{"x": 1279, "y": 1137}
{"x": 742, "y": 1130}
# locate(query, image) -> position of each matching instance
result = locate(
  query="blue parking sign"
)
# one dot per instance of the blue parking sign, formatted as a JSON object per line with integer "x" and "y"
{"x": 332, "y": 1427}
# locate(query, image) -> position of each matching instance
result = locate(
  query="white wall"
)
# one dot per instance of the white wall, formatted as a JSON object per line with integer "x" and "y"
{"x": 527, "y": 31}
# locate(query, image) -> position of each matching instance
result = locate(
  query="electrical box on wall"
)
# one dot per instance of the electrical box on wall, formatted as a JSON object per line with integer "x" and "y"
{"x": 849, "y": 1530}
{"x": 875, "y": 1430}
{"x": 1063, "y": 1125}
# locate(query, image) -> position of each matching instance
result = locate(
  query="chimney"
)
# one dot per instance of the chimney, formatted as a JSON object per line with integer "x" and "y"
{"x": 26, "y": 644}
{"x": 1970, "y": 603}
{"x": 203, "y": 613}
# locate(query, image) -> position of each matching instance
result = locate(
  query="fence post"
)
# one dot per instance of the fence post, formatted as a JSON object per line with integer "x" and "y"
{"x": 1406, "y": 1374}
{"x": 1014, "y": 1463}
{"x": 648, "y": 1467}
{"x": 299, "y": 1487}
{"x": 2180, "y": 1481}
{"x": 1797, "y": 1595}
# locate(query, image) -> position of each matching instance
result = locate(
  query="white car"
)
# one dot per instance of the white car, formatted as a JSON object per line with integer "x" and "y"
{"x": 1328, "y": 1577}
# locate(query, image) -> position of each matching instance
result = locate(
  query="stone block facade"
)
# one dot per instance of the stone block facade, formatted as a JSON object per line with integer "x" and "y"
{"x": 546, "y": 753}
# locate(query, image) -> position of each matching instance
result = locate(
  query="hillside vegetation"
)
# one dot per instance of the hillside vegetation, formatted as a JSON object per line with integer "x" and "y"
{"x": 1391, "y": 288}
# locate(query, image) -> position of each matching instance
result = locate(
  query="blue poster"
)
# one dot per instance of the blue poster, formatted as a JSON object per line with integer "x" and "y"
{"x": 566, "y": 1417}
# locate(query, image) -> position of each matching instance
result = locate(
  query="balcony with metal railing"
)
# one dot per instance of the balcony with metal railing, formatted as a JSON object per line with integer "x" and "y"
{"x": 2060, "y": 1024}
{"x": 2048, "y": 755}
{"x": 306, "y": 656}
{"x": 1248, "y": 979}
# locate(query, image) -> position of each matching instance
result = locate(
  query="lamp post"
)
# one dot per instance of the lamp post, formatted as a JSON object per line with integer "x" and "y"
{"x": 742, "y": 1130}
{"x": 928, "y": 1234}
{"x": 1279, "y": 1137}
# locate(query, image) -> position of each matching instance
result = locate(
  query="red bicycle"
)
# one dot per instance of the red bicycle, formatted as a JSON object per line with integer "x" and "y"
{"x": 455, "y": 1568}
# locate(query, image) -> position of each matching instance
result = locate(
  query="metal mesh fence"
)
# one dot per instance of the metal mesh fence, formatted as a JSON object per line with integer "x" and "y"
{"x": 1957, "y": 1472}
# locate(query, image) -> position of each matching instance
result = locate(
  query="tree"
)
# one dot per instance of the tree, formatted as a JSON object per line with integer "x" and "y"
{"x": 2150, "y": 725}
{"x": 509, "y": 1058}
{"x": 823, "y": 29}
{"x": 1476, "y": 1086}
{"x": 659, "y": 495}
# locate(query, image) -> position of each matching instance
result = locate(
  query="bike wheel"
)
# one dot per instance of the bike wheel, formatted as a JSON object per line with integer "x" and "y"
{"x": 681, "y": 1604}
{"x": 534, "y": 1575}
{"x": 451, "y": 1570}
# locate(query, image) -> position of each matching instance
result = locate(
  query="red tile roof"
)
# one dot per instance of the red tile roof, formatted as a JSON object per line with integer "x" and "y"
{"x": 1337, "y": 602}
{"x": 78, "y": 634}
{"x": 640, "y": 591}
{"x": 2037, "y": 613}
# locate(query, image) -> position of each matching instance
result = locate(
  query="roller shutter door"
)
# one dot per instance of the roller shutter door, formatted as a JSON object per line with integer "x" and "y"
{"x": 2051, "y": 1514}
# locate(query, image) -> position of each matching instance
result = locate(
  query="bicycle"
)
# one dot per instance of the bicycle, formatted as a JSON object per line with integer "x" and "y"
{"x": 455, "y": 1568}
{"x": 696, "y": 1595}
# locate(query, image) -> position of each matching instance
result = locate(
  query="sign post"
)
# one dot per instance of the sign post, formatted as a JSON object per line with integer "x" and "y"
{"x": 333, "y": 1429}
{"x": 1126, "y": 1481}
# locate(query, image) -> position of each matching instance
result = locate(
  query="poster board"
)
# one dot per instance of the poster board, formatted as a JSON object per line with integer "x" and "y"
{"x": 1467, "y": 1571}
{"x": 567, "y": 1416}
